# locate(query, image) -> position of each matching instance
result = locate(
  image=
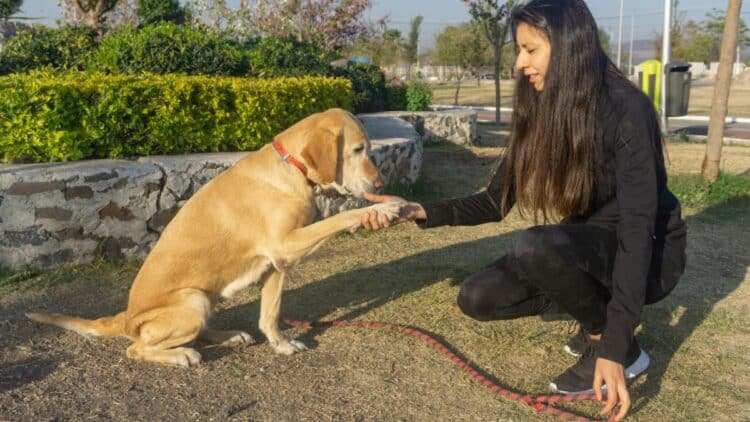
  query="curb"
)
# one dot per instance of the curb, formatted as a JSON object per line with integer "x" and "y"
{"x": 701, "y": 139}
{"x": 741, "y": 120}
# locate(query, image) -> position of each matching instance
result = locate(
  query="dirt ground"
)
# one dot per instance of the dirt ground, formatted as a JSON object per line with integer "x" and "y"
{"x": 698, "y": 338}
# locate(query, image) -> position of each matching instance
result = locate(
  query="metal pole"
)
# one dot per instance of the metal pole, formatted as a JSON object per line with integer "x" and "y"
{"x": 619, "y": 36}
{"x": 630, "y": 56}
{"x": 665, "y": 53}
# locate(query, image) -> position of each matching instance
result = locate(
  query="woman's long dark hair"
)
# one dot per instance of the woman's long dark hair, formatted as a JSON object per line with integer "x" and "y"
{"x": 552, "y": 152}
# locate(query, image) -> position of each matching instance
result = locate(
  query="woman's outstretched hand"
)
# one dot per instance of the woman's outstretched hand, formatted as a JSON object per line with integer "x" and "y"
{"x": 374, "y": 220}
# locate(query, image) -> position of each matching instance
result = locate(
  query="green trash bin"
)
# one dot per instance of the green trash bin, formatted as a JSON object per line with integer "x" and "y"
{"x": 678, "y": 88}
{"x": 649, "y": 79}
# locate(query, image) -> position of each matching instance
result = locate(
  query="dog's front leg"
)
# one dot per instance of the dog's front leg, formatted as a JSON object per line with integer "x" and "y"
{"x": 300, "y": 242}
{"x": 270, "y": 305}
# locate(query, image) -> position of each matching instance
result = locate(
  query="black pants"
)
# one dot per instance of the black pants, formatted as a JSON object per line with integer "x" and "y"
{"x": 568, "y": 265}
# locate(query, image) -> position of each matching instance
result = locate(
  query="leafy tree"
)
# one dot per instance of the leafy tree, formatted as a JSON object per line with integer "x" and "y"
{"x": 153, "y": 11}
{"x": 412, "y": 45}
{"x": 92, "y": 13}
{"x": 385, "y": 46}
{"x": 459, "y": 46}
{"x": 494, "y": 19}
{"x": 9, "y": 8}
{"x": 700, "y": 41}
{"x": 606, "y": 41}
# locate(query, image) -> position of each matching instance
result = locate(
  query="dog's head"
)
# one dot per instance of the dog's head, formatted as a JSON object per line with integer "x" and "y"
{"x": 336, "y": 150}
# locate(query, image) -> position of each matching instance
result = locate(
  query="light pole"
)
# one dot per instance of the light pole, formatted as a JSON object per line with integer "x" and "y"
{"x": 630, "y": 56}
{"x": 619, "y": 37}
{"x": 665, "y": 53}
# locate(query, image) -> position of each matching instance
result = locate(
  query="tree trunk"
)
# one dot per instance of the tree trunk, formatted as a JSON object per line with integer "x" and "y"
{"x": 455, "y": 95}
{"x": 710, "y": 165}
{"x": 497, "y": 51}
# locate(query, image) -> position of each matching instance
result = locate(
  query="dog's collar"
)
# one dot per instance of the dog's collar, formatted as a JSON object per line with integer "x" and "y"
{"x": 289, "y": 158}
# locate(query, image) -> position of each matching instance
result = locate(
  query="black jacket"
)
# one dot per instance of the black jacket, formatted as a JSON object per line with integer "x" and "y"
{"x": 631, "y": 195}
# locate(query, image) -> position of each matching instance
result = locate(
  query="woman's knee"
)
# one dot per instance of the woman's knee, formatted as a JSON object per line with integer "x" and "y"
{"x": 472, "y": 300}
{"x": 484, "y": 295}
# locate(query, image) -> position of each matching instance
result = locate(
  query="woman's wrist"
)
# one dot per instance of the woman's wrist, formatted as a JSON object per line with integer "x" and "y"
{"x": 416, "y": 211}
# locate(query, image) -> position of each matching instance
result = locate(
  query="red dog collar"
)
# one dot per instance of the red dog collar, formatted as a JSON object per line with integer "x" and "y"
{"x": 289, "y": 158}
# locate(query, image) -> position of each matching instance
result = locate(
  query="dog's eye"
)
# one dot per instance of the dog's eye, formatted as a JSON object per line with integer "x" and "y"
{"x": 359, "y": 149}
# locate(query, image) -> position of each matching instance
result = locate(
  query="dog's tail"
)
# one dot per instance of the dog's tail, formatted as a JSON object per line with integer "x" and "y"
{"x": 107, "y": 326}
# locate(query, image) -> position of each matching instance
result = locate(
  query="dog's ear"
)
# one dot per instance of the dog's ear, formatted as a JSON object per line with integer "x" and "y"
{"x": 321, "y": 152}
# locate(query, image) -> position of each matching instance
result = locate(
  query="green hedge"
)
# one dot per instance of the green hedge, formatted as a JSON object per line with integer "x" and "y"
{"x": 78, "y": 116}
{"x": 67, "y": 47}
{"x": 168, "y": 48}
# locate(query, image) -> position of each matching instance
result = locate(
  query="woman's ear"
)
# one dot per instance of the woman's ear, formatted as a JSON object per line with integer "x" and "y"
{"x": 321, "y": 153}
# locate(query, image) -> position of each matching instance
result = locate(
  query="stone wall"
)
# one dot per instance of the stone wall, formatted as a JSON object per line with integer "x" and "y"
{"x": 455, "y": 126}
{"x": 58, "y": 213}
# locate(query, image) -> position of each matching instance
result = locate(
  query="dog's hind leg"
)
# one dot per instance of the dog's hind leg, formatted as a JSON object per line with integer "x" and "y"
{"x": 225, "y": 338}
{"x": 270, "y": 306}
{"x": 159, "y": 332}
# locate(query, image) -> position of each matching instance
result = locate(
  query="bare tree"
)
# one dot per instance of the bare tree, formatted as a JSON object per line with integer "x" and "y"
{"x": 494, "y": 19}
{"x": 710, "y": 165}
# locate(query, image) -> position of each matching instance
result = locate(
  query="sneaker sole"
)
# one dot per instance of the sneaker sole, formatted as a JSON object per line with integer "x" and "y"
{"x": 570, "y": 351}
{"x": 632, "y": 371}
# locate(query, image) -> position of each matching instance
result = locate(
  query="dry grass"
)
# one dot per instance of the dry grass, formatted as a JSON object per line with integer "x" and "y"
{"x": 700, "y": 96}
{"x": 698, "y": 337}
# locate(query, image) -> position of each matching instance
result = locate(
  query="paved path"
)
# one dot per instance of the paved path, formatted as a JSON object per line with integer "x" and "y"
{"x": 735, "y": 128}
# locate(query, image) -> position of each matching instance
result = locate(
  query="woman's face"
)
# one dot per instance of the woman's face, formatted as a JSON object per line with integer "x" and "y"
{"x": 533, "y": 54}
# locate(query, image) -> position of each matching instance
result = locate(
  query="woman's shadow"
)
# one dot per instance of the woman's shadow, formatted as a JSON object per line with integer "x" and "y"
{"x": 718, "y": 257}
{"x": 666, "y": 325}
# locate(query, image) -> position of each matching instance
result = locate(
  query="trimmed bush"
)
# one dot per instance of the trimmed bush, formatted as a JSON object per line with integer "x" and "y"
{"x": 418, "y": 96}
{"x": 368, "y": 82}
{"x": 79, "y": 116}
{"x": 167, "y": 48}
{"x": 396, "y": 96}
{"x": 273, "y": 56}
{"x": 67, "y": 47}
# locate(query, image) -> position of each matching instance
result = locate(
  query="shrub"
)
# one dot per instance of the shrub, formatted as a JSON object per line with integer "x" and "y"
{"x": 396, "y": 96}
{"x": 78, "y": 116}
{"x": 368, "y": 83}
{"x": 66, "y": 47}
{"x": 167, "y": 48}
{"x": 153, "y": 11}
{"x": 274, "y": 56}
{"x": 418, "y": 96}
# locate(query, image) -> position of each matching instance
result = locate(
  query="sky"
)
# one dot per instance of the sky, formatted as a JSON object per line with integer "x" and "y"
{"x": 647, "y": 14}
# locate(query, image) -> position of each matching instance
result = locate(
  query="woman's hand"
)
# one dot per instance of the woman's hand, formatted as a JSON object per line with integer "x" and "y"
{"x": 612, "y": 374}
{"x": 375, "y": 221}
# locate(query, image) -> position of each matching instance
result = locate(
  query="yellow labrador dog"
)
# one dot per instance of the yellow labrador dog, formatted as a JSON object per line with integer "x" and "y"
{"x": 248, "y": 225}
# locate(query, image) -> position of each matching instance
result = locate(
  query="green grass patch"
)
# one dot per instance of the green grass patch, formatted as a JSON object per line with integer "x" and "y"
{"x": 694, "y": 191}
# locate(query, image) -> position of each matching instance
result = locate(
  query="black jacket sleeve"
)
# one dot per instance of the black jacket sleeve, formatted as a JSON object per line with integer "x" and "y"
{"x": 482, "y": 207}
{"x": 636, "y": 158}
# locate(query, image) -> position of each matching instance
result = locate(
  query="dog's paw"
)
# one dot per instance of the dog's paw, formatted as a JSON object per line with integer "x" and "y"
{"x": 238, "y": 339}
{"x": 185, "y": 356}
{"x": 288, "y": 347}
{"x": 391, "y": 209}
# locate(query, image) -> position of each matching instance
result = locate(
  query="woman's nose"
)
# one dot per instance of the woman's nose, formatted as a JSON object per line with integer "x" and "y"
{"x": 520, "y": 61}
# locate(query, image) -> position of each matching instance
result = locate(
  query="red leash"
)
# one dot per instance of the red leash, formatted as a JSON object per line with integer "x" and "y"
{"x": 541, "y": 403}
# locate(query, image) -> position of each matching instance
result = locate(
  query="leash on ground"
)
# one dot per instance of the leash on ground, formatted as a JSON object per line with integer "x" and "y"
{"x": 541, "y": 403}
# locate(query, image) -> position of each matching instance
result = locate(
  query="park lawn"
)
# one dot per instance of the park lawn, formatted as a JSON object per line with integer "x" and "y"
{"x": 697, "y": 338}
{"x": 700, "y": 95}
